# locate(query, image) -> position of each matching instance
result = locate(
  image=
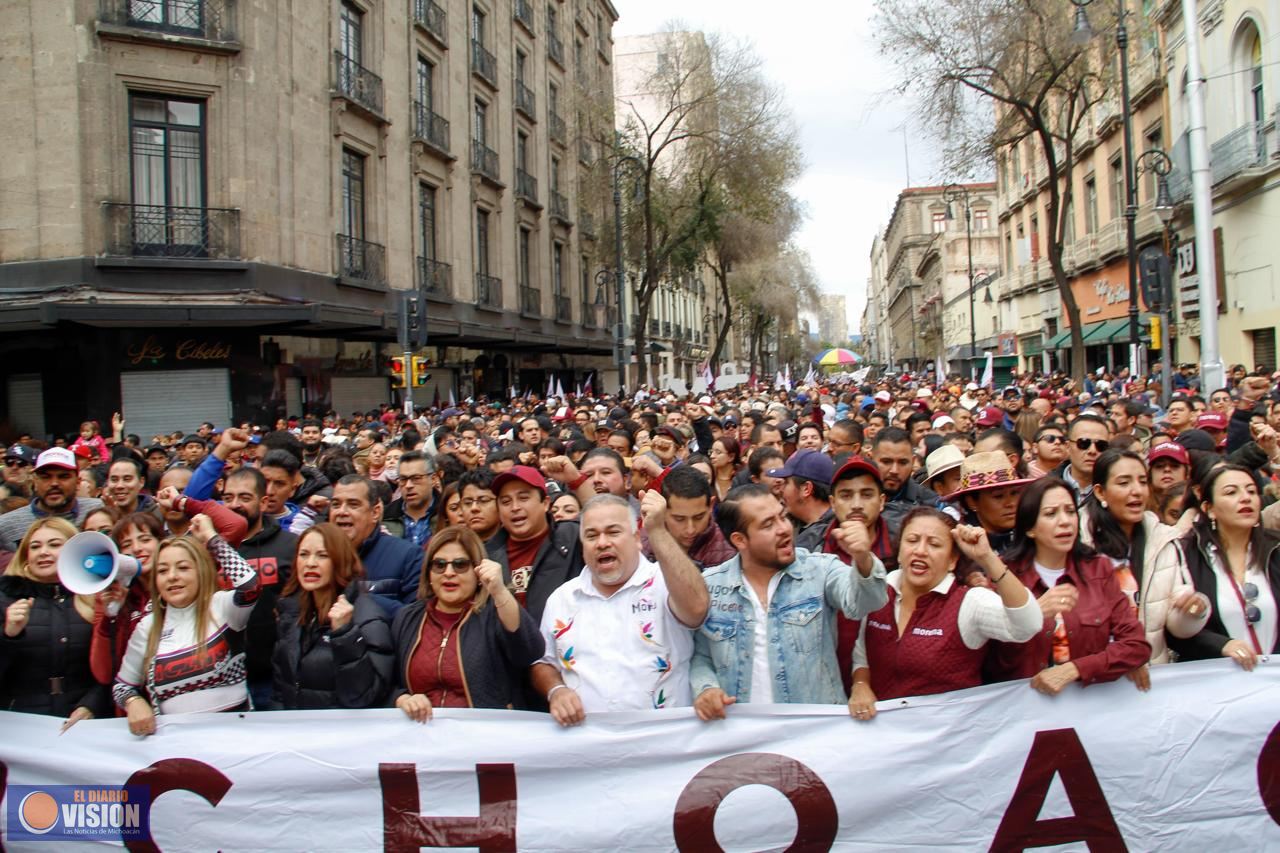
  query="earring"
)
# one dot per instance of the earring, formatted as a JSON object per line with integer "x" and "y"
{"x": 1103, "y": 503}
{"x": 1213, "y": 522}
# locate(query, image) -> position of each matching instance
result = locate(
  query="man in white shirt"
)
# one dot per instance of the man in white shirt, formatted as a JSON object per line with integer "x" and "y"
{"x": 620, "y": 635}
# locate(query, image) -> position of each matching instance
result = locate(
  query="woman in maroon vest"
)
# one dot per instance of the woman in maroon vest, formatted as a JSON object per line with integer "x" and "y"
{"x": 1091, "y": 633}
{"x": 930, "y": 637}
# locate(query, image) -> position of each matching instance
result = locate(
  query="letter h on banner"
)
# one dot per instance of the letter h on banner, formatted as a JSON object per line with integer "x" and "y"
{"x": 405, "y": 828}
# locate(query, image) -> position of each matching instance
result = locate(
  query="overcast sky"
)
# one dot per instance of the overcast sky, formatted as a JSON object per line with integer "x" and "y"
{"x": 851, "y": 132}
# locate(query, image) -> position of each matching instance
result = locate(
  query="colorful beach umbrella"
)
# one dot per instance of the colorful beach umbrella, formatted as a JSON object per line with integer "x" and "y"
{"x": 837, "y": 356}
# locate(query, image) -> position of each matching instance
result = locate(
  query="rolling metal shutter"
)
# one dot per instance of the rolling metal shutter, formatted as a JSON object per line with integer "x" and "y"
{"x": 26, "y": 404}
{"x": 164, "y": 401}
{"x": 1264, "y": 349}
{"x": 349, "y": 394}
{"x": 293, "y": 396}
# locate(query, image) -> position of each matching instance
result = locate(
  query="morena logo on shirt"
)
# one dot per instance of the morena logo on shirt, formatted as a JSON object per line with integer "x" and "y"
{"x": 871, "y": 623}
{"x": 926, "y": 632}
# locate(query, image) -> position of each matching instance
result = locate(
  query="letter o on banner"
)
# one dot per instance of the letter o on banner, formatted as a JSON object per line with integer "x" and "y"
{"x": 1269, "y": 774}
{"x": 816, "y": 818}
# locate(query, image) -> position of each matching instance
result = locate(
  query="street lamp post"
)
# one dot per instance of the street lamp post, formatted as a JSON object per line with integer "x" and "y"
{"x": 957, "y": 192}
{"x": 1159, "y": 162}
{"x": 1081, "y": 35}
{"x": 620, "y": 160}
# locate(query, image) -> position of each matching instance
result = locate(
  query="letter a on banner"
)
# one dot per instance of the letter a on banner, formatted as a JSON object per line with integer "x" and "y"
{"x": 1058, "y": 752}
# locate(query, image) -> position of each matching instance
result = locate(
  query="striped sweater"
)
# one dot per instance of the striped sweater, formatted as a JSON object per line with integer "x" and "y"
{"x": 180, "y": 680}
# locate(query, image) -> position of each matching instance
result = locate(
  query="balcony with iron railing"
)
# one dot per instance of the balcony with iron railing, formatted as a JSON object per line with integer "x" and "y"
{"x": 484, "y": 64}
{"x": 522, "y": 11}
{"x": 666, "y": 328}
{"x": 655, "y": 328}
{"x": 361, "y": 262}
{"x": 560, "y": 208}
{"x": 555, "y": 49}
{"x": 197, "y": 24}
{"x": 526, "y": 187}
{"x": 587, "y": 224}
{"x": 557, "y": 129}
{"x": 587, "y": 307}
{"x": 161, "y": 231}
{"x": 432, "y": 19}
{"x": 1241, "y": 149}
{"x": 488, "y": 292}
{"x": 530, "y": 301}
{"x": 435, "y": 279}
{"x": 525, "y": 101}
{"x": 564, "y": 309}
{"x": 484, "y": 162}
{"x": 430, "y": 128}
{"x": 357, "y": 84}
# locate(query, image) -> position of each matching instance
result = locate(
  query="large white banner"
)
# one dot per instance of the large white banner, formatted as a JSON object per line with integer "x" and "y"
{"x": 1192, "y": 765}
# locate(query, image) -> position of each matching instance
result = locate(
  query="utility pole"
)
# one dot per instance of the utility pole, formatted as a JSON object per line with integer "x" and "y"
{"x": 412, "y": 329}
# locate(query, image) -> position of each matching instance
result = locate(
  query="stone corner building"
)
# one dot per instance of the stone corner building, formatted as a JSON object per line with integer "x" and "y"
{"x": 207, "y": 207}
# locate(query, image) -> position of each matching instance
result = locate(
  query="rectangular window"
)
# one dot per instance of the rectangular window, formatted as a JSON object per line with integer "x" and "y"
{"x": 424, "y": 84}
{"x": 1117, "y": 188}
{"x": 351, "y": 33}
{"x": 1090, "y": 205}
{"x": 524, "y": 241}
{"x": 522, "y": 151}
{"x": 167, "y": 161}
{"x": 939, "y": 222}
{"x": 599, "y": 32}
{"x": 480, "y": 132}
{"x": 482, "y": 241}
{"x": 427, "y": 220}
{"x": 1154, "y": 139}
{"x": 553, "y": 19}
{"x": 1069, "y": 226}
{"x": 555, "y": 174}
{"x": 557, "y": 268}
{"x": 1264, "y": 347}
{"x": 584, "y": 275}
{"x": 1017, "y": 168}
{"x": 553, "y": 99}
{"x": 352, "y": 194}
{"x": 521, "y": 62}
{"x": 1035, "y": 237}
{"x": 981, "y": 220}
{"x": 477, "y": 25}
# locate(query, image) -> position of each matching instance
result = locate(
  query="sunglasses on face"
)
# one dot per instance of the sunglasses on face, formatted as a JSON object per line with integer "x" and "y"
{"x": 1054, "y": 439}
{"x": 1085, "y": 443}
{"x": 460, "y": 566}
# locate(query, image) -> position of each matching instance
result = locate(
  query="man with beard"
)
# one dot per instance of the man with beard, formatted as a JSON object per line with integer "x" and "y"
{"x": 602, "y": 472}
{"x": 596, "y": 659}
{"x": 269, "y": 549}
{"x": 414, "y": 509}
{"x": 892, "y": 453}
{"x": 55, "y": 480}
{"x": 806, "y": 493}
{"x": 312, "y": 436}
{"x": 791, "y": 596}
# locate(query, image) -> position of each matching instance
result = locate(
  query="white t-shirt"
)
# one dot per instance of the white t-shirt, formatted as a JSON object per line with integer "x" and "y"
{"x": 761, "y": 671}
{"x": 1049, "y": 576}
{"x": 627, "y": 652}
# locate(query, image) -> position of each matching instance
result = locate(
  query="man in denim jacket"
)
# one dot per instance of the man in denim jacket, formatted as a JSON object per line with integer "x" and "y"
{"x": 772, "y": 619}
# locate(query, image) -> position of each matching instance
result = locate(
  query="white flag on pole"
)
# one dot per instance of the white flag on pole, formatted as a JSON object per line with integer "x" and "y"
{"x": 453, "y": 402}
{"x": 988, "y": 372}
{"x": 559, "y": 390}
{"x": 939, "y": 370}
{"x": 551, "y": 386}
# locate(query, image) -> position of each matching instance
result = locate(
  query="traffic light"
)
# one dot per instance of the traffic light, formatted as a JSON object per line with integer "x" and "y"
{"x": 1155, "y": 333}
{"x": 420, "y": 375}
{"x": 397, "y": 373}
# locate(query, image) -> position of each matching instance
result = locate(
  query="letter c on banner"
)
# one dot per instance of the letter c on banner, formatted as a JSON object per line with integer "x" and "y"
{"x": 817, "y": 820}
{"x": 178, "y": 774}
{"x": 1269, "y": 774}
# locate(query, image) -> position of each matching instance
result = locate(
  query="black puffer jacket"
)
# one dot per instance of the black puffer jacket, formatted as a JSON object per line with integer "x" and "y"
{"x": 559, "y": 559}
{"x": 45, "y": 669}
{"x": 317, "y": 669}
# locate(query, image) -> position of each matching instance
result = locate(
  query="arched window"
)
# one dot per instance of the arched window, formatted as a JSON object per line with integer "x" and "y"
{"x": 1256, "y": 99}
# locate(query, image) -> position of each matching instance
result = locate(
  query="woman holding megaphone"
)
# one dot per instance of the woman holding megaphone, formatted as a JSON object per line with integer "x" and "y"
{"x": 44, "y": 647}
{"x": 187, "y": 654}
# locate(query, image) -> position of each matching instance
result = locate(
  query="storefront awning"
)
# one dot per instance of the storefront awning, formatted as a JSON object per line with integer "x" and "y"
{"x": 1114, "y": 331}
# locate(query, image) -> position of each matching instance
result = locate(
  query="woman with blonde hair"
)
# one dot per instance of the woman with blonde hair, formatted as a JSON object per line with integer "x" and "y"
{"x": 187, "y": 654}
{"x": 333, "y": 646}
{"x": 44, "y": 647}
{"x": 466, "y": 642}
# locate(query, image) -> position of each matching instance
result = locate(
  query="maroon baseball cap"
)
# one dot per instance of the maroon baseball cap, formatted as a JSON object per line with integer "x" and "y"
{"x": 522, "y": 473}
{"x": 1169, "y": 450}
{"x": 858, "y": 466}
{"x": 991, "y": 416}
{"x": 1211, "y": 420}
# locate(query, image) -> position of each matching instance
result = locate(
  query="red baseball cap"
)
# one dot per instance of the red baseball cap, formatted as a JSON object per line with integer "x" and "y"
{"x": 1169, "y": 450}
{"x": 991, "y": 416}
{"x": 522, "y": 473}
{"x": 1211, "y": 420}
{"x": 858, "y": 466}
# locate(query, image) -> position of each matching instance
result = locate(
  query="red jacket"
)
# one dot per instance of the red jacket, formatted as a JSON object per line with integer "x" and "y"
{"x": 1105, "y": 638}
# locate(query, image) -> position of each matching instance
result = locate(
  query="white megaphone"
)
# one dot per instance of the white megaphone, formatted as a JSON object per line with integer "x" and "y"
{"x": 90, "y": 562}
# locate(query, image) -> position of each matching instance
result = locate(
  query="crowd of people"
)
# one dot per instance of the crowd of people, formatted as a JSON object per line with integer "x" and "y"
{"x": 847, "y": 542}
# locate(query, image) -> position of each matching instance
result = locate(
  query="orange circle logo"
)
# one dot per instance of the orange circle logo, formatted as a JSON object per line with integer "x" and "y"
{"x": 38, "y": 812}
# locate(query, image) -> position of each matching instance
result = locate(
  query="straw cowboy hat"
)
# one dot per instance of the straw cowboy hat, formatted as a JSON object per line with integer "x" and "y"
{"x": 989, "y": 470}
